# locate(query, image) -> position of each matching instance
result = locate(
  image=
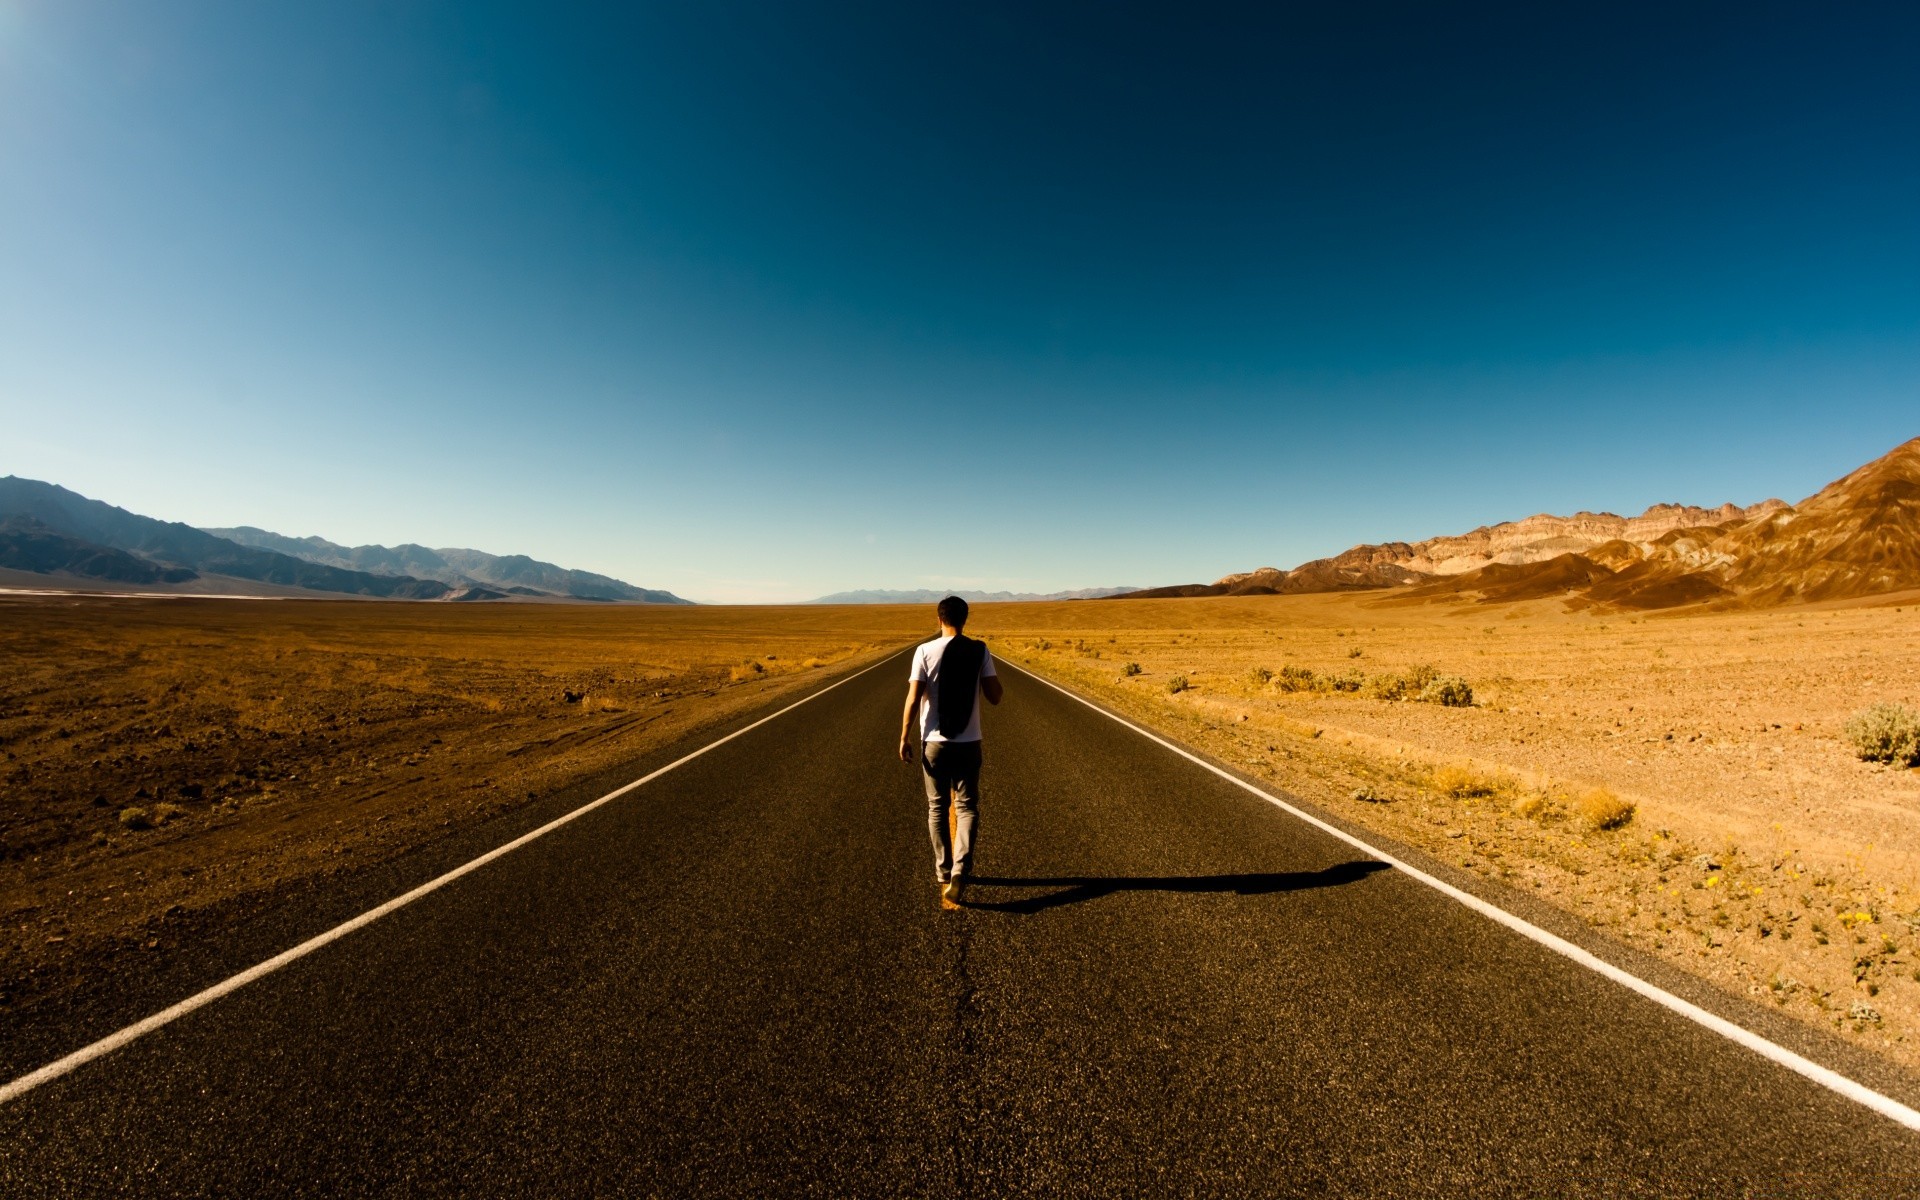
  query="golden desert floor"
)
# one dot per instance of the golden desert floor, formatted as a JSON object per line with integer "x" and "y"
{"x": 169, "y": 763}
{"x": 1761, "y": 852}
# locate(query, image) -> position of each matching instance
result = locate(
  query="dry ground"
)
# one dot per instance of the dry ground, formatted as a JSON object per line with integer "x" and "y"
{"x": 260, "y": 745}
{"x": 169, "y": 762}
{"x": 1760, "y": 853}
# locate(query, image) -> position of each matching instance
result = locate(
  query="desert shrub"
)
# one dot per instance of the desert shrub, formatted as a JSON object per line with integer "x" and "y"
{"x": 1385, "y": 687}
{"x": 1177, "y": 684}
{"x": 1448, "y": 690}
{"x": 1531, "y": 805}
{"x": 1347, "y": 681}
{"x": 811, "y": 663}
{"x": 1294, "y": 679}
{"x": 1601, "y": 809}
{"x": 1259, "y": 676}
{"x": 1888, "y": 733}
{"x": 163, "y": 812}
{"x": 1132, "y": 668}
{"x": 1419, "y": 677}
{"x": 1355, "y": 652}
{"x": 1463, "y": 783}
{"x": 746, "y": 671}
{"x": 136, "y": 818}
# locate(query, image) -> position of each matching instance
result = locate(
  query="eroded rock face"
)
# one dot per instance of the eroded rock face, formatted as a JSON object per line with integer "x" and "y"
{"x": 1544, "y": 536}
{"x": 1858, "y": 536}
{"x": 1534, "y": 539}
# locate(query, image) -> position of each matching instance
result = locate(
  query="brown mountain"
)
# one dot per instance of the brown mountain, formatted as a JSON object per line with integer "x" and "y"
{"x": 1536, "y": 539}
{"x": 1858, "y": 536}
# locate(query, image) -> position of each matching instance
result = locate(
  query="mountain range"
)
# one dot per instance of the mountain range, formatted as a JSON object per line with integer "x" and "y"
{"x": 926, "y": 596}
{"x": 512, "y": 573}
{"x": 50, "y": 531}
{"x": 1858, "y": 536}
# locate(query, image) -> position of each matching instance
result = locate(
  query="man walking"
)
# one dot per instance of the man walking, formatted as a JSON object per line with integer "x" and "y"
{"x": 950, "y": 674}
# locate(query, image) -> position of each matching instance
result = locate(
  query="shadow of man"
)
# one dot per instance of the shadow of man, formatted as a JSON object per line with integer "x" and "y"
{"x": 1077, "y": 889}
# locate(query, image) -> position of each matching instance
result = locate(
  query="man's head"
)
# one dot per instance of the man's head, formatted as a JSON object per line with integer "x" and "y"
{"x": 953, "y": 612}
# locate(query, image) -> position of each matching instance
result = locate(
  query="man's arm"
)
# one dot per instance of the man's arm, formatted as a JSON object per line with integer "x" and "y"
{"x": 991, "y": 689}
{"x": 914, "y": 688}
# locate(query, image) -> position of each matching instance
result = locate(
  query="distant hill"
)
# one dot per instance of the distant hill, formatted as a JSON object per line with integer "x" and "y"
{"x": 1858, "y": 536}
{"x": 513, "y": 573}
{"x": 169, "y": 544}
{"x": 29, "y": 545}
{"x": 925, "y": 596}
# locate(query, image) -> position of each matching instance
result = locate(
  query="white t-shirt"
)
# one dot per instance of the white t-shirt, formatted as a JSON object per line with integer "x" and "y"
{"x": 926, "y": 669}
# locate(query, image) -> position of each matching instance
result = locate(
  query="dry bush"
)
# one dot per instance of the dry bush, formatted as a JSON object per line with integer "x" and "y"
{"x": 1346, "y": 681}
{"x": 1295, "y": 679}
{"x": 746, "y": 671}
{"x": 1450, "y": 691}
{"x": 136, "y": 818}
{"x": 1463, "y": 783}
{"x": 1418, "y": 677}
{"x": 1386, "y": 687}
{"x": 811, "y": 663}
{"x": 1601, "y": 809}
{"x": 1177, "y": 684}
{"x": 1259, "y": 676}
{"x": 1132, "y": 668}
{"x": 1888, "y": 733}
{"x": 1530, "y": 804}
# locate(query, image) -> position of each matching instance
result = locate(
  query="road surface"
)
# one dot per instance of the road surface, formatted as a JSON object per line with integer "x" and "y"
{"x": 737, "y": 981}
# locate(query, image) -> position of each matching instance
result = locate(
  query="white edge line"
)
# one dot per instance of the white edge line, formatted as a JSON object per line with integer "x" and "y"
{"x": 114, "y": 1041}
{"x": 1885, "y": 1105}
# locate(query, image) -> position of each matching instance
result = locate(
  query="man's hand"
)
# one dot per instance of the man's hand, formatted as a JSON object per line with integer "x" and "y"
{"x": 915, "y": 689}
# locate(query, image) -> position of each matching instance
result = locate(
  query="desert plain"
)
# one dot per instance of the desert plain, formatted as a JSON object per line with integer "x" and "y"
{"x": 168, "y": 765}
{"x": 1677, "y": 779}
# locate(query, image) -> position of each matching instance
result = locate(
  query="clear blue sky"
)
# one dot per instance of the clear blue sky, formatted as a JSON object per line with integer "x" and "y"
{"x": 759, "y": 302}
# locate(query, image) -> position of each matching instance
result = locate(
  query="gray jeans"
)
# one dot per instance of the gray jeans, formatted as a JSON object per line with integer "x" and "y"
{"x": 952, "y": 769}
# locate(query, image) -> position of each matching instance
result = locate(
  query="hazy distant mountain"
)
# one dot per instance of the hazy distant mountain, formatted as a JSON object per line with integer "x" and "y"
{"x": 171, "y": 544}
{"x": 28, "y": 545}
{"x": 925, "y": 596}
{"x": 454, "y": 567}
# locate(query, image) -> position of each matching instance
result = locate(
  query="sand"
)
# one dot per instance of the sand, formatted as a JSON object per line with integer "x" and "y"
{"x": 1762, "y": 853}
{"x": 170, "y": 764}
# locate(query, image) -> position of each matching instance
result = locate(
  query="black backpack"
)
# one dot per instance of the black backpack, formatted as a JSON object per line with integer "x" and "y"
{"x": 957, "y": 686}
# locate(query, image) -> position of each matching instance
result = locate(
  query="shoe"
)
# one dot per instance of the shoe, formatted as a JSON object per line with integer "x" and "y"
{"x": 955, "y": 890}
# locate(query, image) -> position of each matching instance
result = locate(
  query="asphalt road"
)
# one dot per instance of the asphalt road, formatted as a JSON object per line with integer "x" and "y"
{"x": 737, "y": 981}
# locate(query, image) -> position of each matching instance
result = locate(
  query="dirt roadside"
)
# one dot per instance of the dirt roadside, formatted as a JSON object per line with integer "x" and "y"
{"x": 1681, "y": 783}
{"x": 168, "y": 764}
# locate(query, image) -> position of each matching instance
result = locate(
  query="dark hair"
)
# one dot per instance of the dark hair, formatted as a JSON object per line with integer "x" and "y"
{"x": 953, "y": 611}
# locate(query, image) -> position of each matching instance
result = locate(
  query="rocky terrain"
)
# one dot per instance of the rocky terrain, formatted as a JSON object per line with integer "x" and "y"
{"x": 1858, "y": 536}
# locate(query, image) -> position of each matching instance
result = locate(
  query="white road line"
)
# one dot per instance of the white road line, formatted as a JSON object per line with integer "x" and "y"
{"x": 1886, "y": 1106}
{"x": 114, "y": 1041}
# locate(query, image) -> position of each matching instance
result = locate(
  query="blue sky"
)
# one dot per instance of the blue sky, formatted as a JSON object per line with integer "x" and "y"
{"x": 759, "y": 302}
